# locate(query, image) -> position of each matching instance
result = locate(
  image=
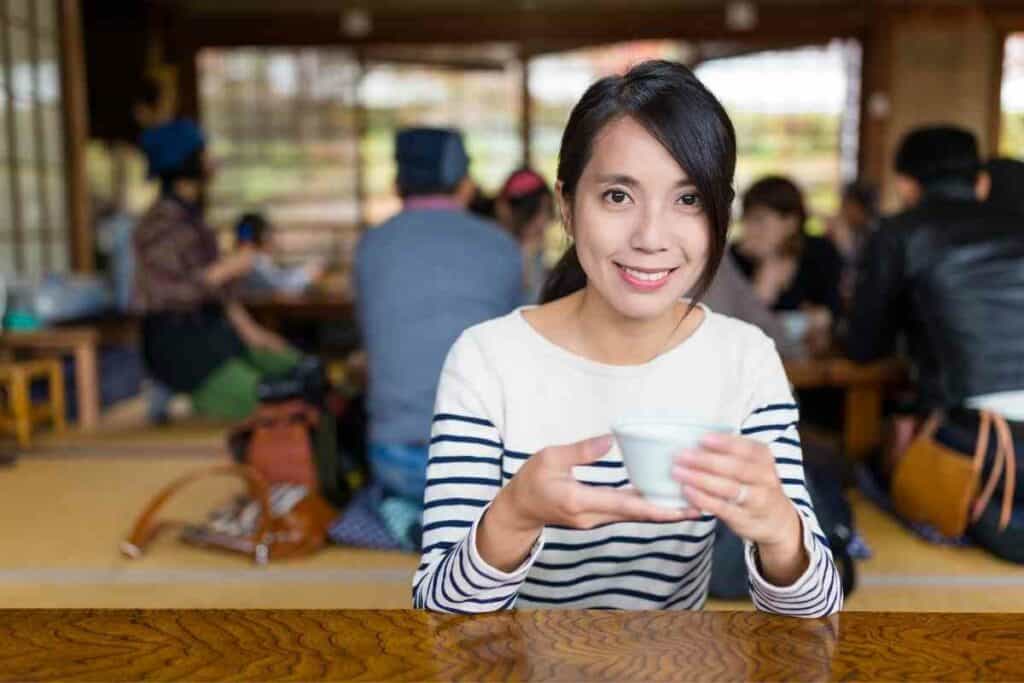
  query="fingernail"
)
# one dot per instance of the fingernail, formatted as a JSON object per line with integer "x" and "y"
{"x": 601, "y": 443}
{"x": 713, "y": 439}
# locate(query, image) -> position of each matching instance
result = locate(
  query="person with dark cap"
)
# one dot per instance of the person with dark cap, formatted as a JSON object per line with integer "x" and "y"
{"x": 948, "y": 274}
{"x": 166, "y": 139}
{"x": 196, "y": 338}
{"x": 421, "y": 278}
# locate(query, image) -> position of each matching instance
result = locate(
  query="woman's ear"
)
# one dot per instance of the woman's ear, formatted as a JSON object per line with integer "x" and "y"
{"x": 564, "y": 209}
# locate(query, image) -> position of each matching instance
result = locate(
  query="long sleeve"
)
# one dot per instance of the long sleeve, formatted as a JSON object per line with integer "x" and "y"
{"x": 874, "y": 322}
{"x": 773, "y": 420}
{"x": 463, "y": 476}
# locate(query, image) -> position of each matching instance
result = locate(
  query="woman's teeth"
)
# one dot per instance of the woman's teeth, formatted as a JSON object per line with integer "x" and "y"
{"x": 647, "y": 277}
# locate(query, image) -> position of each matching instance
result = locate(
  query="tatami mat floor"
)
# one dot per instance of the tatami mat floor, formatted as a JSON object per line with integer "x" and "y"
{"x": 65, "y": 506}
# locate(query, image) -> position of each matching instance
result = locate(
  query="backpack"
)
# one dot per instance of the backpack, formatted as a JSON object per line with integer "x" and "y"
{"x": 835, "y": 516}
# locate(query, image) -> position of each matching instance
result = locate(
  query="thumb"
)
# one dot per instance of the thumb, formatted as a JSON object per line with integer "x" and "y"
{"x": 583, "y": 452}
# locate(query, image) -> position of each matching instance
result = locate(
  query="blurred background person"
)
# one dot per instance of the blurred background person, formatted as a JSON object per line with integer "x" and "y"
{"x": 254, "y": 237}
{"x": 791, "y": 271}
{"x": 849, "y": 229}
{"x": 525, "y": 207}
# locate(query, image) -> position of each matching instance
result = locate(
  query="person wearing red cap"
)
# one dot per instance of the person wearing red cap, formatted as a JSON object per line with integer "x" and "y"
{"x": 525, "y": 208}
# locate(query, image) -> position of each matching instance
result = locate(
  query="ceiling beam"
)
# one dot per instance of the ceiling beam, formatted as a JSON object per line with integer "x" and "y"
{"x": 543, "y": 29}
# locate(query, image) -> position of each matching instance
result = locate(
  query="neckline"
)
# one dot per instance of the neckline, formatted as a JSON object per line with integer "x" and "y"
{"x": 586, "y": 364}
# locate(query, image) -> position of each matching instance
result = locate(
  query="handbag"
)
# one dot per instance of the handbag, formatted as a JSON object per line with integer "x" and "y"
{"x": 940, "y": 486}
{"x": 270, "y": 522}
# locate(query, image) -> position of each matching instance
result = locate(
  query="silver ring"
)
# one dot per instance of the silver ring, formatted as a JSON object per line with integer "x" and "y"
{"x": 741, "y": 495}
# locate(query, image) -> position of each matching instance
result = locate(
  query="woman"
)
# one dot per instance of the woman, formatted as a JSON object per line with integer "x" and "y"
{"x": 196, "y": 338}
{"x": 525, "y": 207}
{"x": 513, "y": 518}
{"x": 790, "y": 270}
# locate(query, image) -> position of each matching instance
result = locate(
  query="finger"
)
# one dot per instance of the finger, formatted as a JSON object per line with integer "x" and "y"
{"x": 713, "y": 505}
{"x": 625, "y": 505}
{"x": 725, "y": 488}
{"x": 727, "y": 466}
{"x": 581, "y": 452}
{"x": 594, "y": 520}
{"x": 738, "y": 446}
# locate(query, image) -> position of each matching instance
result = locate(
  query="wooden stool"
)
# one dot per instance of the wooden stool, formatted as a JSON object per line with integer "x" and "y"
{"x": 19, "y": 416}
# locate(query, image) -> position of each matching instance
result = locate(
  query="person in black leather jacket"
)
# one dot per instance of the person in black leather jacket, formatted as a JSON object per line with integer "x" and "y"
{"x": 948, "y": 273}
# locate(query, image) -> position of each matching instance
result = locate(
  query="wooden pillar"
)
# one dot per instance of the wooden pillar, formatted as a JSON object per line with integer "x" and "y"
{"x": 995, "y": 105}
{"x": 875, "y": 98}
{"x": 76, "y": 133}
{"x": 526, "y": 109}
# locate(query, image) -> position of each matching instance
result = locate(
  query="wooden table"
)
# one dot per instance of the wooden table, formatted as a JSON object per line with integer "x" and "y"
{"x": 272, "y": 310}
{"x": 864, "y": 387}
{"x": 79, "y": 342}
{"x": 401, "y": 645}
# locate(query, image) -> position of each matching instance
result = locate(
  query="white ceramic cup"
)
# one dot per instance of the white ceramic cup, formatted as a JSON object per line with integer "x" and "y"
{"x": 648, "y": 448}
{"x": 796, "y": 324}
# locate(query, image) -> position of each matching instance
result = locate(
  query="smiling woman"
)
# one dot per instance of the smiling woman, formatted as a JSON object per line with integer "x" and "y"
{"x": 512, "y": 516}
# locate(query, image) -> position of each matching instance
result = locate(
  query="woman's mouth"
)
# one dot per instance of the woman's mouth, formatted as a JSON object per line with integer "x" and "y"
{"x": 645, "y": 279}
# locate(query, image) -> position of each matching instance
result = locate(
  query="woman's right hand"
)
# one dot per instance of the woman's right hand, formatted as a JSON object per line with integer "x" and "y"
{"x": 544, "y": 492}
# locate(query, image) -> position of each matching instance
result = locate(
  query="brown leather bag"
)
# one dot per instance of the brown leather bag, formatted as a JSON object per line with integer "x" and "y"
{"x": 271, "y": 535}
{"x": 938, "y": 485}
{"x": 279, "y": 444}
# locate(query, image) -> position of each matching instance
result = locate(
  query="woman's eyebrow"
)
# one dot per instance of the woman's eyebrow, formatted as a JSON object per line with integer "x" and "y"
{"x": 623, "y": 179}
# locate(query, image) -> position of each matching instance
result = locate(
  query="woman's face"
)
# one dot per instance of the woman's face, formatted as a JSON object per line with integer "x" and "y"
{"x": 766, "y": 231}
{"x": 639, "y": 224}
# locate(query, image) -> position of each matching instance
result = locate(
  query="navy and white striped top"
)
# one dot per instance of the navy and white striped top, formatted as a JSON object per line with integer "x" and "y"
{"x": 506, "y": 392}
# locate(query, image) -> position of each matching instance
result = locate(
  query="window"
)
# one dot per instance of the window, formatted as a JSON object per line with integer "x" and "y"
{"x": 307, "y": 135}
{"x": 33, "y": 224}
{"x": 796, "y": 114}
{"x": 1011, "y": 136}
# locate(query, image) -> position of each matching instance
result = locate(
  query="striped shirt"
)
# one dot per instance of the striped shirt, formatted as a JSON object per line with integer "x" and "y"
{"x": 506, "y": 392}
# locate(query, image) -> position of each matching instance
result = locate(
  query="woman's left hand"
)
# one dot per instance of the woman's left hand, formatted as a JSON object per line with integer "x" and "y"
{"x": 734, "y": 479}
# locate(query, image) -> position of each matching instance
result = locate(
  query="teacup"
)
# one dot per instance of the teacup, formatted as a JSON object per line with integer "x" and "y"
{"x": 648, "y": 448}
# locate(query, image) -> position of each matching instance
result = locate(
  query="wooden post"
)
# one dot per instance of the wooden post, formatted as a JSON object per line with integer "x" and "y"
{"x": 876, "y": 42}
{"x": 995, "y": 104}
{"x": 76, "y": 134}
{"x": 526, "y": 109}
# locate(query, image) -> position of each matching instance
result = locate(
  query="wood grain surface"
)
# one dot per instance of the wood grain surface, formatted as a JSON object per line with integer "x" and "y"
{"x": 402, "y": 645}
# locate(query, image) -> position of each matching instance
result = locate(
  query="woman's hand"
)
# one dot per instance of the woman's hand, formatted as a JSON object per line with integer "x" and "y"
{"x": 772, "y": 277}
{"x": 545, "y": 492}
{"x": 734, "y": 479}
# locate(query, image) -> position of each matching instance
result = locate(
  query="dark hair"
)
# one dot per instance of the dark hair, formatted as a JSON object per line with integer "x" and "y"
{"x": 675, "y": 107}
{"x": 939, "y": 154}
{"x": 864, "y": 194}
{"x": 524, "y": 202}
{"x": 778, "y": 193}
{"x": 252, "y": 228}
{"x": 1007, "y": 184}
{"x": 781, "y": 195}
{"x": 481, "y": 204}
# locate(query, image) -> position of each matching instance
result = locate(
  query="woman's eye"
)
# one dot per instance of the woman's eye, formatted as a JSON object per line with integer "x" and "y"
{"x": 616, "y": 196}
{"x": 690, "y": 200}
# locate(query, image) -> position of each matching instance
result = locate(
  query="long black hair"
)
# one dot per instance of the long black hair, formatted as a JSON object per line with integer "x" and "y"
{"x": 669, "y": 101}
